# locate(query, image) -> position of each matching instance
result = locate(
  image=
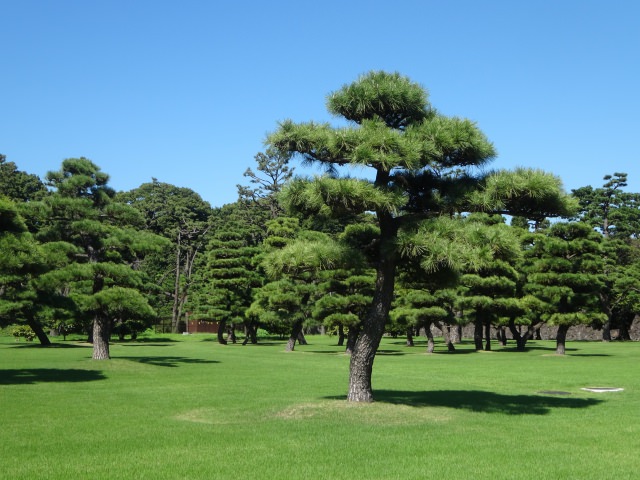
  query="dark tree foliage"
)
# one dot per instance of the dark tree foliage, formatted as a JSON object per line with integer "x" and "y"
{"x": 17, "y": 185}
{"x": 109, "y": 242}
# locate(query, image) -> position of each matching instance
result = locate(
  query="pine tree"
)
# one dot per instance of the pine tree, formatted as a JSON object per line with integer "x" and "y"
{"x": 102, "y": 281}
{"x": 564, "y": 271}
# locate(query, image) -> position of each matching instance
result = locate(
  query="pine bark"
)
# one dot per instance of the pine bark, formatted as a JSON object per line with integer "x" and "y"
{"x": 430, "y": 342}
{"x": 296, "y": 330}
{"x": 477, "y": 333}
{"x": 561, "y": 338}
{"x": 364, "y": 351}
{"x": 101, "y": 336}
{"x": 222, "y": 326}
{"x": 487, "y": 336}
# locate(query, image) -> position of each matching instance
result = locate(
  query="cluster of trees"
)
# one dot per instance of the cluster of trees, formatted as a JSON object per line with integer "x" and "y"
{"x": 421, "y": 241}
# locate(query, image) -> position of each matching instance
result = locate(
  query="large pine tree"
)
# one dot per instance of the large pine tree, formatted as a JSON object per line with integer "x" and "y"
{"x": 421, "y": 164}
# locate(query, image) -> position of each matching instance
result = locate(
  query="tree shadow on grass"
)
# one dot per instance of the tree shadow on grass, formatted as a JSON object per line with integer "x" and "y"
{"x": 167, "y": 361}
{"x": 53, "y": 345}
{"x": 148, "y": 340}
{"x": 482, "y": 401}
{"x": 30, "y": 376}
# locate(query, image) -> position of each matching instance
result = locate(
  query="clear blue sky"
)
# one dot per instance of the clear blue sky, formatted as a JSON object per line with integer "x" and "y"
{"x": 186, "y": 91}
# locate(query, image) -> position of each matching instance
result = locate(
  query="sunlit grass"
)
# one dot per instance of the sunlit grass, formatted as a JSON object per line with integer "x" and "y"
{"x": 185, "y": 407}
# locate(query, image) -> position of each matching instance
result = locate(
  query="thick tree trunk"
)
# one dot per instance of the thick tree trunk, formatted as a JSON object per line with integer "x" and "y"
{"x": 39, "y": 331}
{"x": 222, "y": 326}
{"x": 364, "y": 352}
{"x": 296, "y": 330}
{"x": 231, "y": 336}
{"x": 301, "y": 338}
{"x": 101, "y": 336}
{"x": 455, "y": 334}
{"x": 477, "y": 333}
{"x": 561, "y": 338}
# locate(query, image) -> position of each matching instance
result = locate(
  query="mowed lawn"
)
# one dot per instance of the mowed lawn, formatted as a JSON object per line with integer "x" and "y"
{"x": 184, "y": 407}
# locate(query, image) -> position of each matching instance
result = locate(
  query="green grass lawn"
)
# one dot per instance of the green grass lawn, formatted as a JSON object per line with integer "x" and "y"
{"x": 184, "y": 407}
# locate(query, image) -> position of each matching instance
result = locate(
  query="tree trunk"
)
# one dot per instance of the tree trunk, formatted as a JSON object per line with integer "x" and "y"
{"x": 409, "y": 336}
{"x": 456, "y": 334}
{"x": 606, "y": 331}
{"x": 176, "y": 287}
{"x": 502, "y": 335}
{"x": 38, "y": 330}
{"x": 515, "y": 333}
{"x": 296, "y": 330}
{"x": 301, "y": 338}
{"x": 446, "y": 333}
{"x": 477, "y": 333}
{"x": 430, "y": 343}
{"x": 231, "y": 336}
{"x": 250, "y": 334}
{"x": 352, "y": 336}
{"x": 341, "y": 335}
{"x": 561, "y": 338}
{"x": 101, "y": 336}
{"x": 487, "y": 336}
{"x": 364, "y": 352}
{"x": 222, "y": 326}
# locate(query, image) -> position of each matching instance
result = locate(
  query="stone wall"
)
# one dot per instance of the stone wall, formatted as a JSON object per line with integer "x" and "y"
{"x": 582, "y": 332}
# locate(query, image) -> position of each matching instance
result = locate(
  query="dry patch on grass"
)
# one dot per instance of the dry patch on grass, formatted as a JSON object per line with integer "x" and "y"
{"x": 338, "y": 411}
{"x": 216, "y": 416}
{"x": 367, "y": 413}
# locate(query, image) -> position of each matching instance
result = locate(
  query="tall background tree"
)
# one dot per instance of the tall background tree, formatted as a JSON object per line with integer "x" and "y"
{"x": 180, "y": 215}
{"x": 616, "y": 214}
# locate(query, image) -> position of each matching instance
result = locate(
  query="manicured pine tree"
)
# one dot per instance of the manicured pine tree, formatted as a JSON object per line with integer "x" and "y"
{"x": 421, "y": 163}
{"x": 564, "y": 271}
{"x": 488, "y": 287}
{"x": 102, "y": 280}
{"x": 416, "y": 309}
{"x": 21, "y": 262}
{"x": 227, "y": 280}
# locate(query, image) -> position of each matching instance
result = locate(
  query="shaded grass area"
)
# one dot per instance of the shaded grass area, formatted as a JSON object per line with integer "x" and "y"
{"x": 185, "y": 407}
